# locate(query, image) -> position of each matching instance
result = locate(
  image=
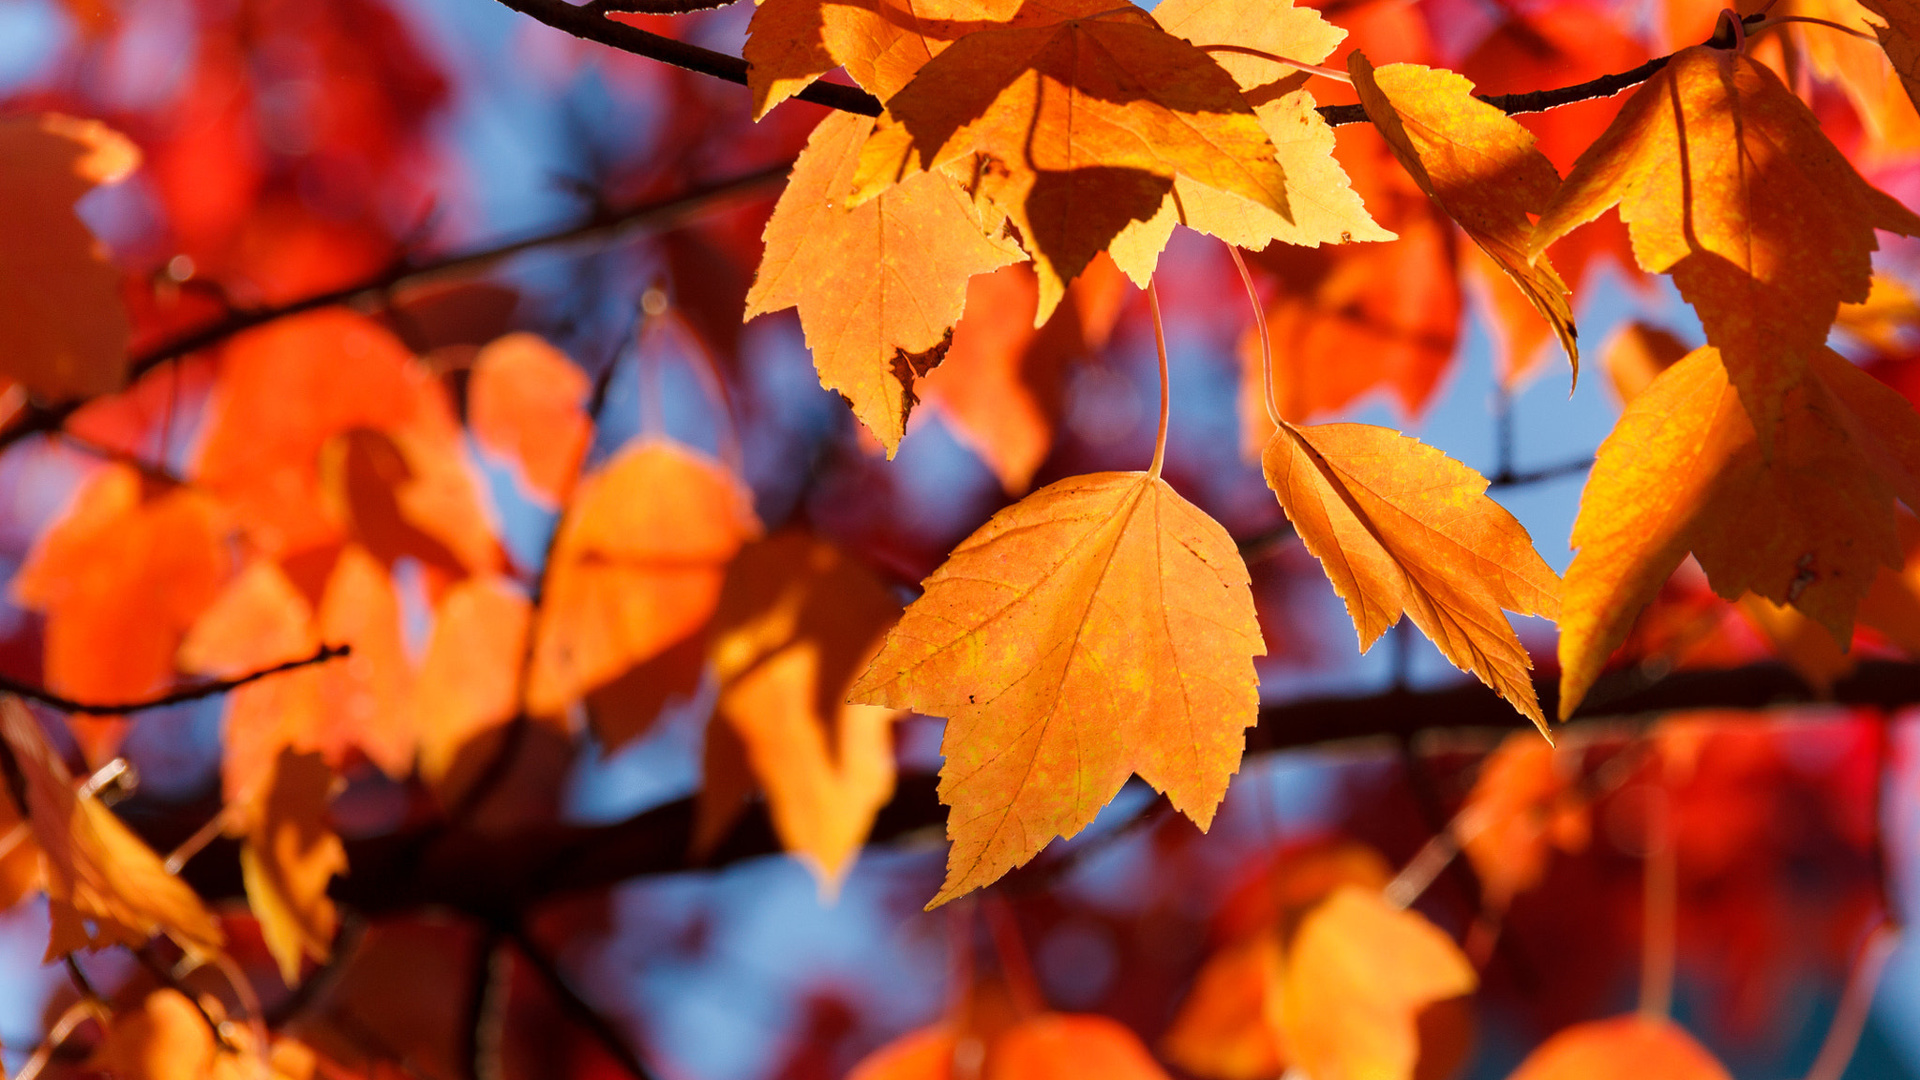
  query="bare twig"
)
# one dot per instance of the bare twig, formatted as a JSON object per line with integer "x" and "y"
{"x": 177, "y": 697}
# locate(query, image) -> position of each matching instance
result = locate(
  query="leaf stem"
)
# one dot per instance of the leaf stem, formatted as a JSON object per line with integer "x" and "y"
{"x": 1259, "y": 327}
{"x": 191, "y": 693}
{"x": 1299, "y": 65}
{"x": 1166, "y": 396}
{"x": 1850, "y": 1019}
{"x": 1780, "y": 20}
{"x": 1658, "y": 898}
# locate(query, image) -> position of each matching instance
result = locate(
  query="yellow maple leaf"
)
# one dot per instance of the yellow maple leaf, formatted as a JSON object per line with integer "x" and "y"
{"x": 1083, "y": 124}
{"x": 1726, "y": 182}
{"x": 879, "y": 285}
{"x": 1399, "y": 527}
{"x": 1101, "y": 626}
{"x": 289, "y": 856}
{"x": 1479, "y": 164}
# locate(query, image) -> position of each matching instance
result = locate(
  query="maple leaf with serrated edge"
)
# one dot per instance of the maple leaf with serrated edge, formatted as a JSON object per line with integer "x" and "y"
{"x": 1321, "y": 206}
{"x": 1479, "y": 164}
{"x": 879, "y": 285}
{"x": 1084, "y": 123}
{"x": 1101, "y": 626}
{"x": 1808, "y": 522}
{"x": 881, "y": 43}
{"x": 1400, "y": 527}
{"x": 1726, "y": 182}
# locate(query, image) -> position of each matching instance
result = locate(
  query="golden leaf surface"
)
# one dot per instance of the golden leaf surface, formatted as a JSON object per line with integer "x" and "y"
{"x": 526, "y": 402}
{"x": 878, "y": 285}
{"x": 1358, "y": 974}
{"x": 1084, "y": 123}
{"x": 1726, "y": 182}
{"x": 63, "y": 326}
{"x": 1623, "y": 1046}
{"x": 881, "y": 43}
{"x": 797, "y": 621}
{"x": 1900, "y": 37}
{"x": 1525, "y": 803}
{"x": 1400, "y": 528}
{"x": 637, "y": 567}
{"x": 469, "y": 682}
{"x": 1808, "y": 524}
{"x": 1231, "y": 1026}
{"x": 1479, "y": 164}
{"x": 104, "y": 885}
{"x": 289, "y": 856}
{"x": 1101, "y": 626}
{"x": 1321, "y": 206}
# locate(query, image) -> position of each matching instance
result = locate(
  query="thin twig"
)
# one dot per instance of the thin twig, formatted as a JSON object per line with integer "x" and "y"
{"x": 1843, "y": 1035}
{"x": 177, "y": 697}
{"x": 377, "y": 291}
{"x": 577, "y": 1008}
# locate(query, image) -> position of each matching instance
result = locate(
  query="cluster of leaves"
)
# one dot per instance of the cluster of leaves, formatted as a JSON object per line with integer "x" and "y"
{"x": 963, "y": 246}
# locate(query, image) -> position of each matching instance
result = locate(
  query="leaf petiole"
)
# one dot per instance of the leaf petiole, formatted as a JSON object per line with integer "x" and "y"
{"x": 1160, "y": 346}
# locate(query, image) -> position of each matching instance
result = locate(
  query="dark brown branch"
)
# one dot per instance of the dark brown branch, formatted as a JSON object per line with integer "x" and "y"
{"x": 1532, "y": 101}
{"x": 177, "y": 697}
{"x": 577, "y": 1008}
{"x": 589, "y": 24}
{"x": 375, "y": 291}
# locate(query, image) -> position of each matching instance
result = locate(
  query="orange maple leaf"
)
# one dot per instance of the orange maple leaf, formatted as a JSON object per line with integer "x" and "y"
{"x": 1101, "y": 626}
{"x": 1039, "y": 1047}
{"x": 881, "y": 43}
{"x": 469, "y": 683}
{"x": 1399, "y": 528}
{"x": 878, "y": 285}
{"x": 63, "y": 326}
{"x": 526, "y": 402}
{"x": 1727, "y": 183}
{"x": 1084, "y": 122}
{"x": 1625, "y": 1045}
{"x": 289, "y": 856}
{"x": 1524, "y": 803}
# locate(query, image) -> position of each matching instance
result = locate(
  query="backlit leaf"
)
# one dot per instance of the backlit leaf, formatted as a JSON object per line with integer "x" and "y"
{"x": 289, "y": 856}
{"x": 879, "y": 285}
{"x": 1100, "y": 627}
{"x": 1085, "y": 123}
{"x": 636, "y": 568}
{"x": 1524, "y": 804}
{"x": 63, "y": 327}
{"x": 1231, "y": 1026}
{"x": 526, "y": 402}
{"x": 881, "y": 43}
{"x": 1808, "y": 524}
{"x": 1071, "y": 1044}
{"x": 469, "y": 680}
{"x": 1479, "y": 164}
{"x": 104, "y": 886}
{"x": 1656, "y": 1049}
{"x": 1399, "y": 528}
{"x": 1727, "y": 183}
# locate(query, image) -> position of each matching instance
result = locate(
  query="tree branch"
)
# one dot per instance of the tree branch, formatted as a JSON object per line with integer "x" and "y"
{"x": 577, "y": 1008}
{"x": 177, "y": 697}
{"x": 375, "y": 291}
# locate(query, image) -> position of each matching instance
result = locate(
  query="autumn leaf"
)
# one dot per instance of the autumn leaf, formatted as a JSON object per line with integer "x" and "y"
{"x": 1727, "y": 182}
{"x": 525, "y": 402}
{"x": 1399, "y": 528}
{"x": 290, "y": 855}
{"x": 1358, "y": 974}
{"x": 636, "y": 567}
{"x": 1899, "y": 37}
{"x": 1636, "y": 354}
{"x": 1240, "y": 35}
{"x": 1808, "y": 524}
{"x": 1100, "y": 627}
{"x": 1066, "y": 1044}
{"x": 167, "y": 1036}
{"x": 879, "y": 285}
{"x": 1625, "y": 1045}
{"x": 65, "y": 327}
{"x": 1524, "y": 804}
{"x": 881, "y": 43}
{"x": 104, "y": 886}
{"x": 1231, "y": 1026}
{"x": 469, "y": 682}
{"x": 1085, "y": 122}
{"x": 796, "y": 621}
{"x": 120, "y": 578}
{"x": 1479, "y": 164}
{"x": 1002, "y": 385}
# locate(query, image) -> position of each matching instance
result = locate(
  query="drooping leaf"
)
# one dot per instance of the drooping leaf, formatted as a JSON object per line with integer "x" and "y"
{"x": 797, "y": 620}
{"x": 881, "y": 43}
{"x": 1727, "y": 182}
{"x": 1321, "y": 207}
{"x": 879, "y": 285}
{"x": 1003, "y": 383}
{"x": 1524, "y": 804}
{"x": 1657, "y": 1049}
{"x": 290, "y": 855}
{"x": 525, "y": 402}
{"x": 1084, "y": 123}
{"x": 1836, "y": 56}
{"x": 1399, "y": 528}
{"x": 120, "y": 578}
{"x": 1358, "y": 974}
{"x": 63, "y": 326}
{"x": 1231, "y": 1026}
{"x": 104, "y": 886}
{"x": 1479, "y": 164}
{"x": 1807, "y": 524}
{"x": 1100, "y": 627}
{"x": 636, "y": 567}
